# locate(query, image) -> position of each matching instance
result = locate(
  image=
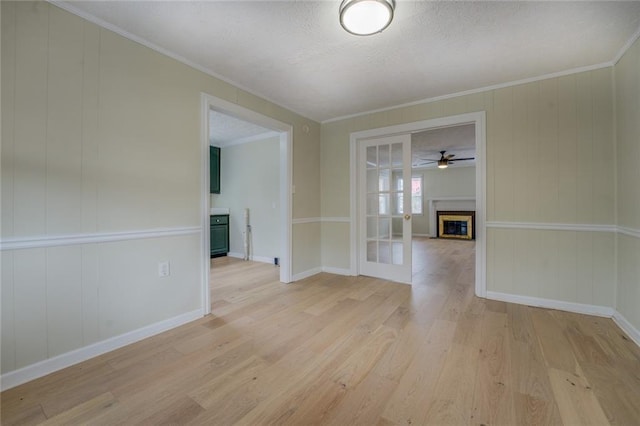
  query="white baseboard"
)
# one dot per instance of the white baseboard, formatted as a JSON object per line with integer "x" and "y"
{"x": 627, "y": 327}
{"x": 337, "y": 271}
{"x": 307, "y": 274}
{"x": 262, "y": 259}
{"x": 328, "y": 269}
{"x": 579, "y": 308}
{"x": 48, "y": 366}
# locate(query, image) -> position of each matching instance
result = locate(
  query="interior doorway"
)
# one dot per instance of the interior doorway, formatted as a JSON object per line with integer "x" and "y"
{"x": 443, "y": 162}
{"x": 283, "y": 132}
{"x": 245, "y": 199}
{"x": 434, "y": 129}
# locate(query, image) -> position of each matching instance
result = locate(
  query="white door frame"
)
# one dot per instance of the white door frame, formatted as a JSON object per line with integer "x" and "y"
{"x": 477, "y": 118}
{"x": 209, "y": 102}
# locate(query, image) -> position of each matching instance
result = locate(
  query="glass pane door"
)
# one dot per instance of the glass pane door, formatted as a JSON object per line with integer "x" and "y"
{"x": 385, "y": 184}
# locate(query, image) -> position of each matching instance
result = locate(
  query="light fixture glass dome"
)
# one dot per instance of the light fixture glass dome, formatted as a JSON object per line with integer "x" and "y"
{"x": 366, "y": 17}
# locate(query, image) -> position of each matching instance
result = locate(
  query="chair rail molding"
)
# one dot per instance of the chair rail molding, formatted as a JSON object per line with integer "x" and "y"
{"x": 42, "y": 241}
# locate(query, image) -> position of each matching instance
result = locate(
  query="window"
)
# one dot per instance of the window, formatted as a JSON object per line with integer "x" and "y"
{"x": 416, "y": 195}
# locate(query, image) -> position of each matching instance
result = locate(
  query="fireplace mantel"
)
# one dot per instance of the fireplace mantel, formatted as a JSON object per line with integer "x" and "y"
{"x": 447, "y": 203}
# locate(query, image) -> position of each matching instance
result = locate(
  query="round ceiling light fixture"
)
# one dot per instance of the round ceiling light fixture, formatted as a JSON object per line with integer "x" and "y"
{"x": 366, "y": 17}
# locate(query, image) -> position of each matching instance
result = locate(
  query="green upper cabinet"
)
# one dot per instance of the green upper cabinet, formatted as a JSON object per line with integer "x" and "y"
{"x": 214, "y": 168}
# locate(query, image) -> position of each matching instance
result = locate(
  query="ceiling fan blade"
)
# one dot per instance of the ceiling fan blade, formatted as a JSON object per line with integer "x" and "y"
{"x": 428, "y": 160}
{"x": 449, "y": 156}
{"x": 468, "y": 158}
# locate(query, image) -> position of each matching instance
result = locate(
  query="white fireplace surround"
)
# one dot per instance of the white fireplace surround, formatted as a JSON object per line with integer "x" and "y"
{"x": 449, "y": 204}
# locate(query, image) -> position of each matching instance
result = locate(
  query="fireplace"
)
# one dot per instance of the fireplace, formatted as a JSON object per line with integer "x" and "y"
{"x": 457, "y": 225}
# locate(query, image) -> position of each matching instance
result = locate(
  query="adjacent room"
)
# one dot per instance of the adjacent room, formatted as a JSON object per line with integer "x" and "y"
{"x": 245, "y": 190}
{"x": 280, "y": 212}
{"x": 443, "y": 192}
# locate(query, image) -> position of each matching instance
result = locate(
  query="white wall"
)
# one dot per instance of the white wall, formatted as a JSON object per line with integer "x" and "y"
{"x": 627, "y": 79}
{"x": 101, "y": 141}
{"x": 452, "y": 182}
{"x": 250, "y": 179}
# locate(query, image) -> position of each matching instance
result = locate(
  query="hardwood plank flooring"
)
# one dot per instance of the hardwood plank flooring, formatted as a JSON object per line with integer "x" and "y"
{"x": 340, "y": 350}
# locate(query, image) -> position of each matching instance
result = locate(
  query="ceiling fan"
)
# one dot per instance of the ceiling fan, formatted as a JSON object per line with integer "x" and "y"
{"x": 445, "y": 160}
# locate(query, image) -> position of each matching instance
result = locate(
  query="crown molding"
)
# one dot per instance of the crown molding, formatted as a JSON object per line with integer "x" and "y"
{"x": 474, "y": 91}
{"x": 627, "y": 46}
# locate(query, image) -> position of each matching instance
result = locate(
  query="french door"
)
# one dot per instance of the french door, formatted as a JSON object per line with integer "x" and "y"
{"x": 384, "y": 206}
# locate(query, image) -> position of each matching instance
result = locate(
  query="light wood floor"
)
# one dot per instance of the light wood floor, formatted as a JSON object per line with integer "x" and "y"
{"x": 353, "y": 350}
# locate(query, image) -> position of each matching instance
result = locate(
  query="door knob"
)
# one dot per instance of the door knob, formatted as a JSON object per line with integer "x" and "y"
{"x": 407, "y": 216}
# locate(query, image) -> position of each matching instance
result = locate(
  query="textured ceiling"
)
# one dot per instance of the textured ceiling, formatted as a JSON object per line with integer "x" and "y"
{"x": 225, "y": 130}
{"x": 295, "y": 53}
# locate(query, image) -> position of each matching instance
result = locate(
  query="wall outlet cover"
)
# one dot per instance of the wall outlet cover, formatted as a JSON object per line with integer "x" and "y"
{"x": 164, "y": 269}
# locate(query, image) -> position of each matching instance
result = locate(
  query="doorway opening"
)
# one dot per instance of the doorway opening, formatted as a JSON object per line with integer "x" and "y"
{"x": 460, "y": 137}
{"x": 278, "y": 136}
{"x": 245, "y": 192}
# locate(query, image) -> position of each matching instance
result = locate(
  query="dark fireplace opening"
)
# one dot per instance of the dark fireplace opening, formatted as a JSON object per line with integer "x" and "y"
{"x": 455, "y": 227}
{"x": 457, "y": 224}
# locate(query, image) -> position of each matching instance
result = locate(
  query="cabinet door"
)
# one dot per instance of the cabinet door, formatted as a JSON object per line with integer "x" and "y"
{"x": 219, "y": 239}
{"x": 214, "y": 169}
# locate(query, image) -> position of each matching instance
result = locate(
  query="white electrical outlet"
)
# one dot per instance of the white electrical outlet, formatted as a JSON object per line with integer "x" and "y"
{"x": 163, "y": 269}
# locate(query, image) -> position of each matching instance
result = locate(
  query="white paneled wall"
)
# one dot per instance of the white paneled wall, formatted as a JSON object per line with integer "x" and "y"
{"x": 58, "y": 299}
{"x": 90, "y": 148}
{"x": 306, "y": 231}
{"x": 570, "y": 266}
{"x": 627, "y": 79}
{"x": 95, "y": 137}
{"x": 628, "y": 294}
{"x": 550, "y": 151}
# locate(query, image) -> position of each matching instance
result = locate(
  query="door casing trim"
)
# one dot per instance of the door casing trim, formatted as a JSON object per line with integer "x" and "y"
{"x": 210, "y": 102}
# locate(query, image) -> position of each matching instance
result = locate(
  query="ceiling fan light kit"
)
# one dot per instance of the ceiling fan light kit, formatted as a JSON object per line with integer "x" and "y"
{"x": 366, "y": 17}
{"x": 445, "y": 160}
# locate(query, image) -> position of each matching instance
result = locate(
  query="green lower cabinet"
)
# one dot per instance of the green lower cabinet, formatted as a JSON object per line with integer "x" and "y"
{"x": 219, "y": 237}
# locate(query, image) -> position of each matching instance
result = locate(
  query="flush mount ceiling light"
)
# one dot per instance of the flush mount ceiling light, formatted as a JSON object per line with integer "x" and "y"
{"x": 366, "y": 17}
